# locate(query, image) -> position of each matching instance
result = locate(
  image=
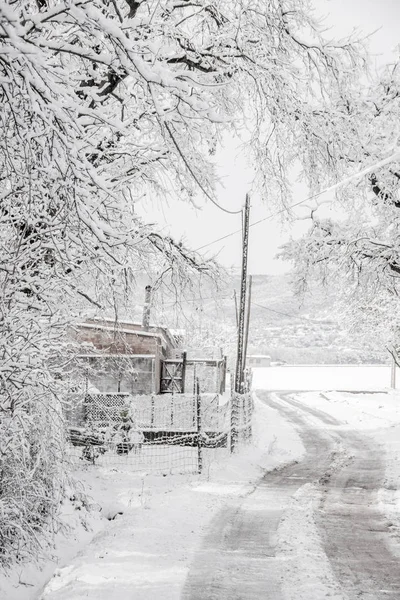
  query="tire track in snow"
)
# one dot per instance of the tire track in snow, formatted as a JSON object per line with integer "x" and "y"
{"x": 354, "y": 532}
{"x": 238, "y": 559}
{"x": 241, "y": 558}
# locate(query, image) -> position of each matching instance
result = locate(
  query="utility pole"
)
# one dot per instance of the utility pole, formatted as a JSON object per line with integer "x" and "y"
{"x": 242, "y": 308}
{"x": 236, "y": 309}
{"x": 146, "y": 307}
{"x": 246, "y": 334}
{"x": 395, "y": 356}
{"x": 393, "y": 372}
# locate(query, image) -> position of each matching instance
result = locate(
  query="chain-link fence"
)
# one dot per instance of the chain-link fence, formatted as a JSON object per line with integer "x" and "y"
{"x": 168, "y": 433}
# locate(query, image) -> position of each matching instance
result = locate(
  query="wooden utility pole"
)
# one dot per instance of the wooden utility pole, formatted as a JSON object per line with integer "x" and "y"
{"x": 146, "y": 307}
{"x": 246, "y": 334}
{"x": 236, "y": 309}
{"x": 395, "y": 358}
{"x": 242, "y": 308}
{"x": 393, "y": 373}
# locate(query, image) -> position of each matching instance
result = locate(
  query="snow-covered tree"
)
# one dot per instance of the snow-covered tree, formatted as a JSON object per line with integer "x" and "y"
{"x": 359, "y": 252}
{"x": 103, "y": 104}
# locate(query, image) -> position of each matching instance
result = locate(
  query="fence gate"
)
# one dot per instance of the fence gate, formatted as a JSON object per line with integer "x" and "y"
{"x": 173, "y": 376}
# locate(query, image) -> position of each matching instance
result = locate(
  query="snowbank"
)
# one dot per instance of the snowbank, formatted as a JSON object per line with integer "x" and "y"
{"x": 79, "y": 526}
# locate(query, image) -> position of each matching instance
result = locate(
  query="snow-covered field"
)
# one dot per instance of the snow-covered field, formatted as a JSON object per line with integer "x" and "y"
{"x": 322, "y": 377}
{"x": 144, "y": 530}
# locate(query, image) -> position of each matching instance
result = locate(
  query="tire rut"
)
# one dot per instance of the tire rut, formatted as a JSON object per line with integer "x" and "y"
{"x": 238, "y": 558}
{"x": 353, "y": 530}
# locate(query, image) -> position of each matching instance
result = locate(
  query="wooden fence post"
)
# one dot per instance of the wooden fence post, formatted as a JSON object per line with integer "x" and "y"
{"x": 249, "y": 417}
{"x": 234, "y": 421}
{"x": 223, "y": 376}
{"x": 184, "y": 356}
{"x": 194, "y": 396}
{"x": 152, "y": 411}
{"x": 199, "y": 440}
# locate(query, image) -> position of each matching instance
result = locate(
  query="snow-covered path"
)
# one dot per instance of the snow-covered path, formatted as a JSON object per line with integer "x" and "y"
{"x": 311, "y": 530}
{"x": 146, "y": 552}
{"x": 310, "y": 510}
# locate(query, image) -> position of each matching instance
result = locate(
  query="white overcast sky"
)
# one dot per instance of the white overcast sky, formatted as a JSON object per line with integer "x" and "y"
{"x": 197, "y": 228}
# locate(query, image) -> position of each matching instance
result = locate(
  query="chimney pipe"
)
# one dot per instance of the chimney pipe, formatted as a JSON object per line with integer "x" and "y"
{"x": 146, "y": 307}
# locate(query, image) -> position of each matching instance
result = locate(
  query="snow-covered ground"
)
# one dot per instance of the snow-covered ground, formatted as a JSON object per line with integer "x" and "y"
{"x": 322, "y": 377}
{"x": 144, "y": 529}
{"x": 143, "y": 532}
{"x": 378, "y": 416}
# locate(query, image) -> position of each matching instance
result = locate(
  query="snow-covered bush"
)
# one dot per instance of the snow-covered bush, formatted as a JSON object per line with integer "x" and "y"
{"x": 31, "y": 481}
{"x": 31, "y": 425}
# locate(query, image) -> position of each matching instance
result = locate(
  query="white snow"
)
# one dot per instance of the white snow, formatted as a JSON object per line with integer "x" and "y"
{"x": 150, "y": 546}
{"x": 23, "y": 581}
{"x": 143, "y": 537}
{"x": 300, "y": 546}
{"x": 378, "y": 415}
{"x": 322, "y": 377}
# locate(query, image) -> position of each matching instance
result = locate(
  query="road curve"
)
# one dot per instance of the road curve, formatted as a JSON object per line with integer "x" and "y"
{"x": 240, "y": 559}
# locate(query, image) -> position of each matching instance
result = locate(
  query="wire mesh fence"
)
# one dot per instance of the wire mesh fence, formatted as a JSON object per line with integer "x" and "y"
{"x": 168, "y": 433}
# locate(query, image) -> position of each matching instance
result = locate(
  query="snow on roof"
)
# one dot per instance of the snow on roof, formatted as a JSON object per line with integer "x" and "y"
{"x": 120, "y": 355}
{"x": 120, "y": 329}
{"x": 121, "y": 323}
{"x": 130, "y": 327}
{"x": 177, "y": 332}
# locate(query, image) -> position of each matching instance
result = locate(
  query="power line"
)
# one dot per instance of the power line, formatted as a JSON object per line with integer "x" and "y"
{"x": 219, "y": 298}
{"x": 315, "y": 322}
{"x": 279, "y": 212}
{"x": 200, "y": 298}
{"x": 291, "y": 315}
{"x": 332, "y": 188}
{"x": 193, "y": 174}
{"x": 278, "y": 312}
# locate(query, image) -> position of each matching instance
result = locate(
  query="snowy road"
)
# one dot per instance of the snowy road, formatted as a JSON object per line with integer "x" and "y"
{"x": 310, "y": 510}
{"x": 311, "y": 530}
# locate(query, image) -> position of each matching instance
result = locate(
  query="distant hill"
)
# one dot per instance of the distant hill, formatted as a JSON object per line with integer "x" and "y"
{"x": 304, "y": 331}
{"x": 289, "y": 329}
